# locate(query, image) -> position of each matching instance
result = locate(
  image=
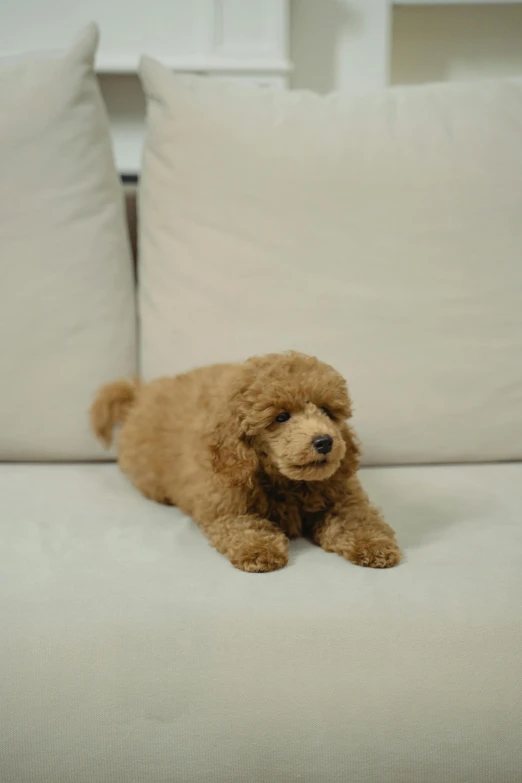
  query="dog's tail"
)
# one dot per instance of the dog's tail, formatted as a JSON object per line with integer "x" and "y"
{"x": 111, "y": 407}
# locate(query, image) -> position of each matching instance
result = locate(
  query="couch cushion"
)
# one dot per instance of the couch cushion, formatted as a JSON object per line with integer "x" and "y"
{"x": 133, "y": 651}
{"x": 67, "y": 316}
{"x": 382, "y": 233}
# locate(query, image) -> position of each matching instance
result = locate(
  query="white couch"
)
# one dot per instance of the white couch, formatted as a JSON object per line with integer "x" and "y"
{"x": 131, "y": 652}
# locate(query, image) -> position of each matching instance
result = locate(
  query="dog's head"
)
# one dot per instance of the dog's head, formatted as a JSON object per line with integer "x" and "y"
{"x": 287, "y": 415}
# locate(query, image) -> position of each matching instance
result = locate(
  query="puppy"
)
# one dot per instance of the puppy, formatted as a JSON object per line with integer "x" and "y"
{"x": 256, "y": 453}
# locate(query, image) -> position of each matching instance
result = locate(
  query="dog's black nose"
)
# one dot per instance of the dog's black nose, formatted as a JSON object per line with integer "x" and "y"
{"x": 323, "y": 444}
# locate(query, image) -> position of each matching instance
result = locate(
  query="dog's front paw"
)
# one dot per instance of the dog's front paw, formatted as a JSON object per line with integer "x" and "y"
{"x": 375, "y": 553}
{"x": 258, "y": 555}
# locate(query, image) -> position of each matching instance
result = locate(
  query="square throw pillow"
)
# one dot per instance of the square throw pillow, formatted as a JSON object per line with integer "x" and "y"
{"x": 382, "y": 233}
{"x": 67, "y": 314}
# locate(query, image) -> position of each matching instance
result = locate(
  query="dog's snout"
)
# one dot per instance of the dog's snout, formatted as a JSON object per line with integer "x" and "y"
{"x": 323, "y": 444}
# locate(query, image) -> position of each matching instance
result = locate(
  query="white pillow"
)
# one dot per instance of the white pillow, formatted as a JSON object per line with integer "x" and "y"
{"x": 67, "y": 316}
{"x": 382, "y": 233}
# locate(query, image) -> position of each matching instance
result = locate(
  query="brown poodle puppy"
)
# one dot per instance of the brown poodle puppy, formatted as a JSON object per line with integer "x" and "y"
{"x": 256, "y": 453}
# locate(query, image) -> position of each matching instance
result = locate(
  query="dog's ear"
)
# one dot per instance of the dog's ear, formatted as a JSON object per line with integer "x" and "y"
{"x": 232, "y": 456}
{"x": 351, "y": 459}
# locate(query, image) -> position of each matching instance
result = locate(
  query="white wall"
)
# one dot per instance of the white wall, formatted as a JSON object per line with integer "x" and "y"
{"x": 337, "y": 44}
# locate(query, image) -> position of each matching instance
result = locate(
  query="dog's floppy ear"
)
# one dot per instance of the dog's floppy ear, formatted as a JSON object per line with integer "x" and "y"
{"x": 232, "y": 456}
{"x": 351, "y": 459}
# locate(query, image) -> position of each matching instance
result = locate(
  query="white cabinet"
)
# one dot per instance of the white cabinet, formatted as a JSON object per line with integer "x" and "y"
{"x": 248, "y": 37}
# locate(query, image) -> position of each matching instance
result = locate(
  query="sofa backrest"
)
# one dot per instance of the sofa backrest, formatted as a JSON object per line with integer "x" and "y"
{"x": 67, "y": 299}
{"x": 381, "y": 232}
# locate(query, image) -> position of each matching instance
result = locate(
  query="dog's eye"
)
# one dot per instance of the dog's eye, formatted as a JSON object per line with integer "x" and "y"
{"x": 327, "y": 412}
{"x": 282, "y": 417}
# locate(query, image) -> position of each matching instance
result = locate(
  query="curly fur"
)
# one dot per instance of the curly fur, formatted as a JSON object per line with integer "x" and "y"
{"x": 208, "y": 442}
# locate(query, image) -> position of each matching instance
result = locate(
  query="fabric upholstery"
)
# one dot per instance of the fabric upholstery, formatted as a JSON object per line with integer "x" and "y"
{"x": 382, "y": 233}
{"x": 67, "y": 314}
{"x": 132, "y": 651}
